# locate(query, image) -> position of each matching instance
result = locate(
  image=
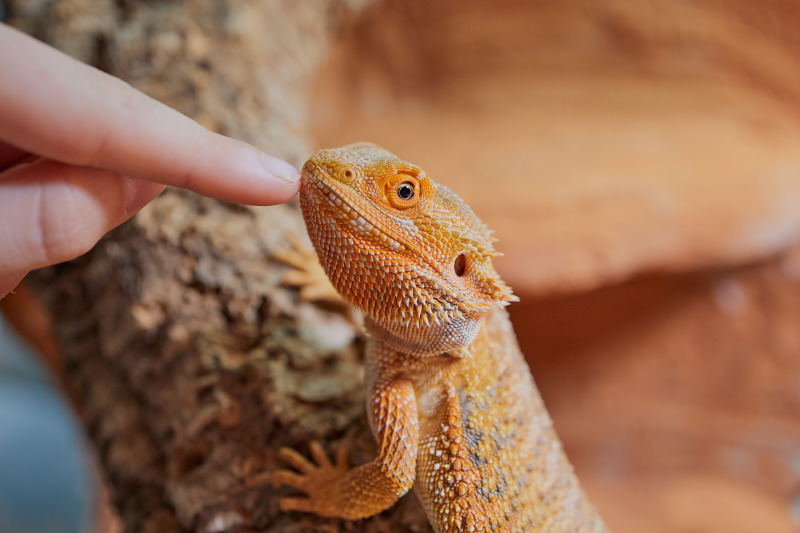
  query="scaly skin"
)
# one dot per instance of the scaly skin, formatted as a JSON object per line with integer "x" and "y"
{"x": 451, "y": 400}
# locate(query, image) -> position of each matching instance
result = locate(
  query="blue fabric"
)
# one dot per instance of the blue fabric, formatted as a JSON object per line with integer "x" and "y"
{"x": 46, "y": 485}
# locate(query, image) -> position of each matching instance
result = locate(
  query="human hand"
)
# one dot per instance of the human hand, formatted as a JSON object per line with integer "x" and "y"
{"x": 82, "y": 151}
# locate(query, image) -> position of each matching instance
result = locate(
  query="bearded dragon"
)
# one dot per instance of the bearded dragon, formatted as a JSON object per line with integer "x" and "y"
{"x": 451, "y": 400}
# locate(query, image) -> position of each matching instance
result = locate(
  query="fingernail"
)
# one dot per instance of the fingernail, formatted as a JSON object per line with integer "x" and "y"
{"x": 280, "y": 168}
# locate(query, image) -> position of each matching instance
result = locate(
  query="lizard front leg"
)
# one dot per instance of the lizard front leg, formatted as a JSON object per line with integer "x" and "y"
{"x": 334, "y": 490}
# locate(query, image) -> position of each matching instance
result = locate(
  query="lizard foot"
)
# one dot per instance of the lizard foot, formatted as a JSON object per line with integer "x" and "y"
{"x": 306, "y": 273}
{"x": 318, "y": 481}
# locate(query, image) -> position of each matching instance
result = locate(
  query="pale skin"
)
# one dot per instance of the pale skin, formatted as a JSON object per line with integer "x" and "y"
{"x": 82, "y": 151}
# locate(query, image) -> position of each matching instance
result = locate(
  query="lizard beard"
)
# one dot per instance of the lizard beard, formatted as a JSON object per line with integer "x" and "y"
{"x": 430, "y": 340}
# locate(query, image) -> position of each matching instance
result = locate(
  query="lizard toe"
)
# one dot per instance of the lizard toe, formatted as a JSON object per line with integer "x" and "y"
{"x": 288, "y": 478}
{"x": 296, "y": 460}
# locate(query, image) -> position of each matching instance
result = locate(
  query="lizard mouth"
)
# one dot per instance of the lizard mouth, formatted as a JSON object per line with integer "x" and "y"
{"x": 320, "y": 185}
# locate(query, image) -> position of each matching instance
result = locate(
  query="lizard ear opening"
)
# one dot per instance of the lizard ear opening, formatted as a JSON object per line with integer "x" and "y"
{"x": 460, "y": 265}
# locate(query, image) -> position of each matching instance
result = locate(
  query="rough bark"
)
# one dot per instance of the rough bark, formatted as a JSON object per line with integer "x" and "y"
{"x": 190, "y": 358}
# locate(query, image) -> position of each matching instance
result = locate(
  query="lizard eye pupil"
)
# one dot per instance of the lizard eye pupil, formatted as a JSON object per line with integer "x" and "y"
{"x": 405, "y": 190}
{"x": 403, "y": 195}
{"x": 460, "y": 265}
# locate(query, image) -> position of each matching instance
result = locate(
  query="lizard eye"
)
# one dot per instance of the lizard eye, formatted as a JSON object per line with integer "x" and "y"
{"x": 460, "y": 265}
{"x": 404, "y": 195}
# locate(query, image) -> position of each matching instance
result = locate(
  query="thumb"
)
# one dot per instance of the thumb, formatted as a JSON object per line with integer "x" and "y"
{"x": 53, "y": 212}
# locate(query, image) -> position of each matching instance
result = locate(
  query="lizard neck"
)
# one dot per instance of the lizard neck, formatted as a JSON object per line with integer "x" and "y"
{"x": 418, "y": 341}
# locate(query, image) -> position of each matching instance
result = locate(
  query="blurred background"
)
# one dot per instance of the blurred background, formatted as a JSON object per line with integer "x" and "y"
{"x": 640, "y": 164}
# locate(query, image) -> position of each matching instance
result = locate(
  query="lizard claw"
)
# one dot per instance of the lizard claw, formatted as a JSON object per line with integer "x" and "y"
{"x": 296, "y": 460}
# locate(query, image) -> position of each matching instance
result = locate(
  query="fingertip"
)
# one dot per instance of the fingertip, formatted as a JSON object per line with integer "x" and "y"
{"x": 234, "y": 171}
{"x": 260, "y": 178}
{"x": 278, "y": 191}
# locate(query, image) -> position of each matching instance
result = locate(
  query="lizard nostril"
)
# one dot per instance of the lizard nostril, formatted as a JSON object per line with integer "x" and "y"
{"x": 460, "y": 265}
{"x": 346, "y": 174}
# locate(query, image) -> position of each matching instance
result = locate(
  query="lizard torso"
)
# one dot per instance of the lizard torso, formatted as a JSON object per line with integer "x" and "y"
{"x": 451, "y": 399}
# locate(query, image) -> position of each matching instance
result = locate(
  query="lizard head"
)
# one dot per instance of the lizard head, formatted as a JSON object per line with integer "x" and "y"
{"x": 406, "y": 251}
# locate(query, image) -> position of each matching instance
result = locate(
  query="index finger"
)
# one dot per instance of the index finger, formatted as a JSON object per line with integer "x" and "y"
{"x": 59, "y": 108}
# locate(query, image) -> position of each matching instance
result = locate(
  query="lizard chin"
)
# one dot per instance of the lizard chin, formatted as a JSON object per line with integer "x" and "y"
{"x": 427, "y": 341}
